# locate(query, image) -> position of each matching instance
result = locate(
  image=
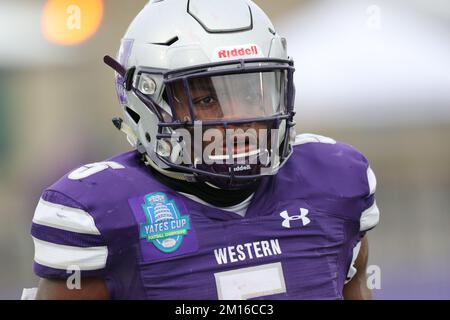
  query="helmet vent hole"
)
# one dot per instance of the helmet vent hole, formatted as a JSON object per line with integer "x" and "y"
{"x": 133, "y": 115}
{"x": 165, "y": 97}
{"x": 172, "y": 41}
{"x": 169, "y": 42}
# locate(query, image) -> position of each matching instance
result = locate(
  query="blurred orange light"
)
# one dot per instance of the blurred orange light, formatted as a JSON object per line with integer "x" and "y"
{"x": 71, "y": 22}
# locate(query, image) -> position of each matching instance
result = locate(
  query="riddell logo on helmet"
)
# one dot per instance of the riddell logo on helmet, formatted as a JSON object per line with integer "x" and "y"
{"x": 237, "y": 52}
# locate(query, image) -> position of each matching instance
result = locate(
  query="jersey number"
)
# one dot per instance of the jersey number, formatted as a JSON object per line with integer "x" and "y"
{"x": 93, "y": 168}
{"x": 252, "y": 282}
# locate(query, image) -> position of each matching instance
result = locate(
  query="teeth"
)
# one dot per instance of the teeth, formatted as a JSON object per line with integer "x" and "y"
{"x": 236, "y": 156}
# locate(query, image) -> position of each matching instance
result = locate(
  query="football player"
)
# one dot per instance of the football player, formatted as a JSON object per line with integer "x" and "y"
{"x": 219, "y": 199}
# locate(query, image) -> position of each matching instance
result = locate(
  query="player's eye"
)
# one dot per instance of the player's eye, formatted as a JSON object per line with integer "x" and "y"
{"x": 205, "y": 101}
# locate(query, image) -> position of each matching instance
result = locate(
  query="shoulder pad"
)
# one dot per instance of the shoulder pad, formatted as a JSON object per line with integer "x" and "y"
{"x": 336, "y": 176}
{"x": 84, "y": 218}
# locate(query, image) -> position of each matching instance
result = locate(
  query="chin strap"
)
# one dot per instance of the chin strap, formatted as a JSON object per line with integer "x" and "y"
{"x": 171, "y": 174}
{"x": 133, "y": 140}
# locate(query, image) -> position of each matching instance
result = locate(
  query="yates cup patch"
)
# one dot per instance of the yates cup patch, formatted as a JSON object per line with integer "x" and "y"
{"x": 165, "y": 227}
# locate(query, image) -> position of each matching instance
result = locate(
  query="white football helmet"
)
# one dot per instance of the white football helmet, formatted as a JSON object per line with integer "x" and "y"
{"x": 185, "y": 66}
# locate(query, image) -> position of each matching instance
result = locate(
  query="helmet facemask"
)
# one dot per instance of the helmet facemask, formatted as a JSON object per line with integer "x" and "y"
{"x": 229, "y": 123}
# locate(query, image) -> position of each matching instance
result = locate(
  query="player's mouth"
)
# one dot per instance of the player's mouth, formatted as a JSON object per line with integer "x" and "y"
{"x": 238, "y": 152}
{"x": 237, "y": 149}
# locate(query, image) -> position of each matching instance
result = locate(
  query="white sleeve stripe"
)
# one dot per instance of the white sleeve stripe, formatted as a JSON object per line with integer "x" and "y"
{"x": 29, "y": 294}
{"x": 312, "y": 138}
{"x": 372, "y": 180}
{"x": 370, "y": 217}
{"x": 61, "y": 257}
{"x": 352, "y": 270}
{"x": 64, "y": 218}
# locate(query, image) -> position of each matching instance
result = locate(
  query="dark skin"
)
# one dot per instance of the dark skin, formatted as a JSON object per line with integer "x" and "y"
{"x": 91, "y": 289}
{"x": 95, "y": 289}
{"x": 357, "y": 289}
{"x": 209, "y": 105}
{"x": 207, "y": 108}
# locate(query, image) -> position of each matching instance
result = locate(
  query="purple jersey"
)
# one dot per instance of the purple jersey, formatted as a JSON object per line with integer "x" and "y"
{"x": 114, "y": 220}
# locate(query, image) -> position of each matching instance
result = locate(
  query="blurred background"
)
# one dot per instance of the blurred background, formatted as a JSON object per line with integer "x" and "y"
{"x": 375, "y": 74}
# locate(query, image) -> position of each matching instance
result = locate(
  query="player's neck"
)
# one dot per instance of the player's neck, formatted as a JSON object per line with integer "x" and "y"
{"x": 216, "y": 197}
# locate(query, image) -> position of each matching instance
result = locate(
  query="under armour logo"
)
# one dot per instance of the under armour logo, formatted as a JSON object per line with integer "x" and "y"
{"x": 287, "y": 219}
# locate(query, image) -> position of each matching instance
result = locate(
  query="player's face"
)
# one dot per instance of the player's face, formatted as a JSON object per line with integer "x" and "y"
{"x": 211, "y": 101}
{"x": 230, "y": 97}
{"x": 204, "y": 100}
